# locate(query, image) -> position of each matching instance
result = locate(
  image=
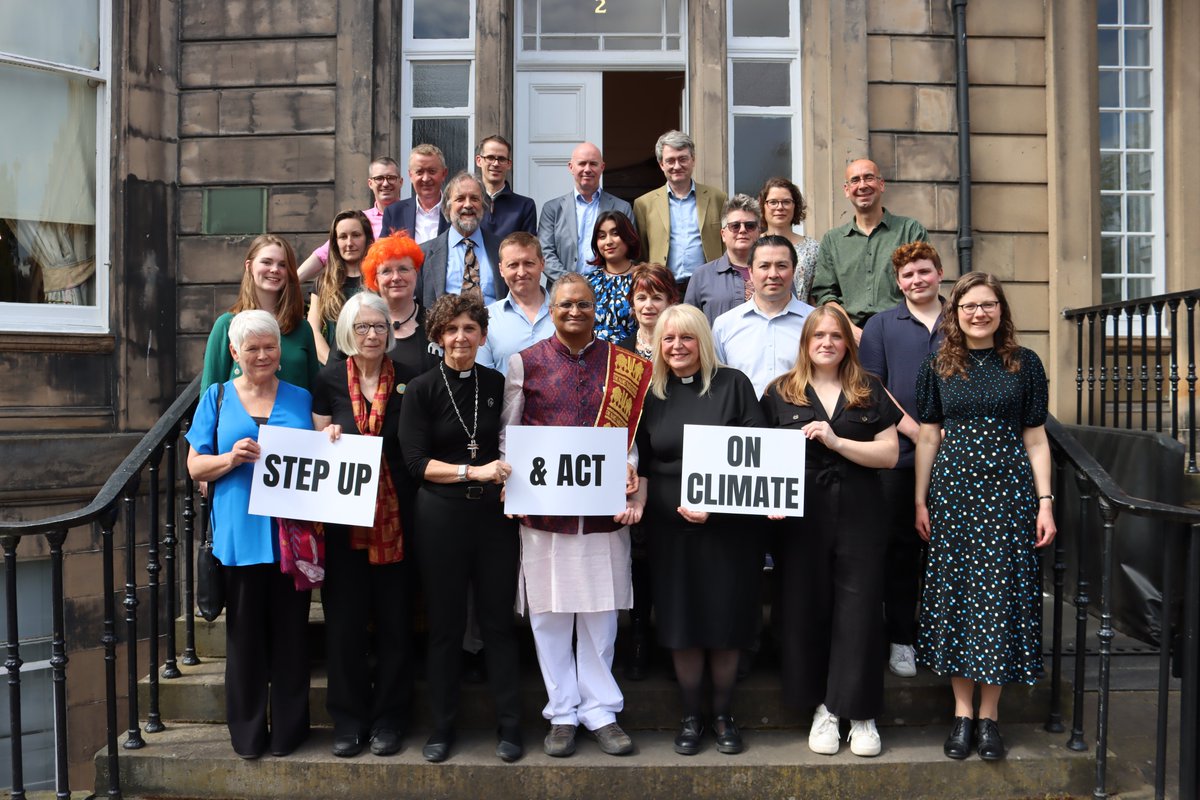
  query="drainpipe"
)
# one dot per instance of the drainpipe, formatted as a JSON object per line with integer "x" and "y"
{"x": 965, "y": 243}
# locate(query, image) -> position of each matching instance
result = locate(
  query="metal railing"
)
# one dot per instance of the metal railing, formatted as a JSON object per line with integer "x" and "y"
{"x": 1120, "y": 357}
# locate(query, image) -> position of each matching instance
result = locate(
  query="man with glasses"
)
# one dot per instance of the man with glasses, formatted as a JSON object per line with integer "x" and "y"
{"x": 421, "y": 215}
{"x": 510, "y": 212}
{"x": 679, "y": 224}
{"x": 465, "y": 259}
{"x": 384, "y": 181}
{"x": 854, "y": 264}
{"x": 725, "y": 283}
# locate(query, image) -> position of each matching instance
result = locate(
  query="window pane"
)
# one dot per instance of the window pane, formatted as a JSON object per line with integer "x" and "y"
{"x": 1110, "y": 212}
{"x": 1110, "y": 290}
{"x": 441, "y": 19}
{"x": 762, "y": 147}
{"x": 1137, "y": 130}
{"x": 602, "y": 16}
{"x": 1138, "y": 287}
{"x": 1110, "y": 130}
{"x": 235, "y": 210}
{"x": 48, "y": 195}
{"x": 760, "y": 18}
{"x": 441, "y": 85}
{"x": 673, "y": 15}
{"x": 759, "y": 83}
{"x": 1110, "y": 88}
{"x": 1140, "y": 249}
{"x": 70, "y": 36}
{"x": 448, "y": 134}
{"x": 1106, "y": 12}
{"x": 1137, "y": 48}
{"x": 1109, "y": 51}
{"x": 1137, "y": 210}
{"x": 529, "y": 13}
{"x": 1137, "y": 12}
{"x": 672, "y": 43}
{"x": 1110, "y": 254}
{"x": 1110, "y": 171}
{"x": 573, "y": 43}
{"x": 1137, "y": 171}
{"x": 634, "y": 43}
{"x": 1137, "y": 88}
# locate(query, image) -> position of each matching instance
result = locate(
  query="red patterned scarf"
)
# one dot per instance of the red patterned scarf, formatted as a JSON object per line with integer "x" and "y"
{"x": 384, "y": 542}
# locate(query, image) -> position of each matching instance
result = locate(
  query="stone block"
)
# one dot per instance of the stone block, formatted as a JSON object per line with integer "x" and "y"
{"x": 221, "y": 19}
{"x": 936, "y": 109}
{"x": 891, "y": 107}
{"x": 920, "y": 60}
{"x": 898, "y": 16}
{"x": 191, "y": 211}
{"x": 941, "y": 17}
{"x": 1008, "y": 159}
{"x": 211, "y": 259}
{"x": 1010, "y": 18}
{"x": 197, "y": 308}
{"x": 926, "y": 157}
{"x": 1007, "y": 62}
{"x": 947, "y": 208}
{"x": 309, "y": 110}
{"x": 256, "y": 159}
{"x": 189, "y": 356}
{"x": 916, "y": 200}
{"x": 199, "y": 113}
{"x": 258, "y": 63}
{"x": 883, "y": 153}
{"x": 945, "y": 244}
{"x": 151, "y": 159}
{"x": 1030, "y": 310}
{"x": 1008, "y": 109}
{"x": 879, "y": 58}
{"x": 151, "y": 111}
{"x": 1013, "y": 256}
{"x": 301, "y": 209}
{"x": 1016, "y": 208}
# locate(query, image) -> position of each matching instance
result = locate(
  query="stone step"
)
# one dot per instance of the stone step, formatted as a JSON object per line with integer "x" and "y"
{"x": 652, "y": 704}
{"x": 195, "y": 761}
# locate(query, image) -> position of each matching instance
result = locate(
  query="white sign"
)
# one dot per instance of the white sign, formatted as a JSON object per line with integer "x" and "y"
{"x": 563, "y": 471}
{"x": 743, "y": 470}
{"x": 302, "y": 475}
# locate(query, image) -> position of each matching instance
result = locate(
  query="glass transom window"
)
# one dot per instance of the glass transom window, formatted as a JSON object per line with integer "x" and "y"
{"x": 601, "y": 25}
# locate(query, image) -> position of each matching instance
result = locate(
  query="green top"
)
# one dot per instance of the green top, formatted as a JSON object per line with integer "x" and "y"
{"x": 855, "y": 269}
{"x": 297, "y": 359}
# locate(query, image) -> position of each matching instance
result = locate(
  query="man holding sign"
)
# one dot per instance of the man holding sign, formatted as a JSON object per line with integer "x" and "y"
{"x": 575, "y": 571}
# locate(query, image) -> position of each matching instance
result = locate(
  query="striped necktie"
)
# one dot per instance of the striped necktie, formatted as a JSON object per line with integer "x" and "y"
{"x": 470, "y": 281}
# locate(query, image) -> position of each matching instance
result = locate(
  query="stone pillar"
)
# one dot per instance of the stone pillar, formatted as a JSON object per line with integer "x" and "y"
{"x": 707, "y": 64}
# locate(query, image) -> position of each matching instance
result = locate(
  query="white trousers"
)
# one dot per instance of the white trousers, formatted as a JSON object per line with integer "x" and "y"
{"x": 580, "y": 684}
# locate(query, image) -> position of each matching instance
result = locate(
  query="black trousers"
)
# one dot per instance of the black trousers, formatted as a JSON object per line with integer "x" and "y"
{"x": 366, "y": 614}
{"x": 905, "y": 556}
{"x": 266, "y": 662}
{"x": 464, "y": 542}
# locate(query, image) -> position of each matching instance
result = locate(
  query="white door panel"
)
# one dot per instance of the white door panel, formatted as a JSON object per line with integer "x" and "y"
{"x": 554, "y": 112}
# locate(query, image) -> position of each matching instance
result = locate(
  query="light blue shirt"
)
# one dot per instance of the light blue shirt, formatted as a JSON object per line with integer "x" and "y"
{"x": 685, "y": 252}
{"x": 585, "y": 218}
{"x": 510, "y": 331}
{"x": 454, "y": 264}
{"x": 762, "y": 347}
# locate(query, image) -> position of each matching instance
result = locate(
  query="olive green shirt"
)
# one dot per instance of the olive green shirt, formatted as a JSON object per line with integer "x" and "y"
{"x": 298, "y": 363}
{"x": 855, "y": 270}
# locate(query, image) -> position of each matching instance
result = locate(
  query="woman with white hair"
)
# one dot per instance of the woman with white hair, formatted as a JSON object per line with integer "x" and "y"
{"x": 706, "y": 567}
{"x": 265, "y": 616}
{"x": 365, "y": 594}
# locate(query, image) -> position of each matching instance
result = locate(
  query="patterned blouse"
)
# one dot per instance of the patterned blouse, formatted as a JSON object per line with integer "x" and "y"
{"x": 614, "y": 312}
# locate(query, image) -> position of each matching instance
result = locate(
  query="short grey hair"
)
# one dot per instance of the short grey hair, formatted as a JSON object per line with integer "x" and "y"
{"x": 344, "y": 333}
{"x": 459, "y": 177}
{"x": 740, "y": 202}
{"x": 676, "y": 139}
{"x": 570, "y": 279}
{"x": 254, "y": 322}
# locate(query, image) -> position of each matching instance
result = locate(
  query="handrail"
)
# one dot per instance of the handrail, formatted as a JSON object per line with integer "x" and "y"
{"x": 138, "y": 457}
{"x": 1070, "y": 313}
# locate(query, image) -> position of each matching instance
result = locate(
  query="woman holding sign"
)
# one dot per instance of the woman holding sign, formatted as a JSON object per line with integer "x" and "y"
{"x": 706, "y": 567}
{"x": 266, "y": 619}
{"x": 832, "y": 560}
{"x": 450, "y": 437}
{"x": 366, "y": 576}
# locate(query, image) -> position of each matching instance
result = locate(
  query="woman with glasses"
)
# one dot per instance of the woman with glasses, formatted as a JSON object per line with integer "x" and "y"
{"x": 983, "y": 480}
{"x": 390, "y": 270}
{"x": 349, "y": 237}
{"x": 366, "y": 589}
{"x": 617, "y": 249}
{"x": 783, "y": 208}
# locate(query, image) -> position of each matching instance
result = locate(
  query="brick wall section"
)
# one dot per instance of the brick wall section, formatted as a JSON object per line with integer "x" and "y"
{"x": 913, "y": 136}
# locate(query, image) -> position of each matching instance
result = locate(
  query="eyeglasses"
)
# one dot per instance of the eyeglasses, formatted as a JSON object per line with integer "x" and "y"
{"x": 582, "y": 305}
{"x": 971, "y": 308}
{"x": 681, "y": 161}
{"x": 860, "y": 179}
{"x": 779, "y": 203}
{"x": 495, "y": 159}
{"x": 363, "y": 328}
{"x": 742, "y": 226}
{"x": 385, "y": 178}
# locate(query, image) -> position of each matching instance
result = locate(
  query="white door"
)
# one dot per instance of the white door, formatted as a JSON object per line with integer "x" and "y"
{"x": 554, "y": 112}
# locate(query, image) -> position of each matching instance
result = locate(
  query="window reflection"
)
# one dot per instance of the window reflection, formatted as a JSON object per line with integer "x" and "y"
{"x": 760, "y": 18}
{"x": 441, "y": 85}
{"x": 762, "y": 147}
{"x": 448, "y": 134}
{"x": 441, "y": 19}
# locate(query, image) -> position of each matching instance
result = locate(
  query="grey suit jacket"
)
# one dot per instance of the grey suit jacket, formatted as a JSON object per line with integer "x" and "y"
{"x": 431, "y": 280}
{"x": 558, "y": 226}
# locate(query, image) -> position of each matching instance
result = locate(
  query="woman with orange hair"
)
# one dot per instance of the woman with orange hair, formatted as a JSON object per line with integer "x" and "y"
{"x": 390, "y": 270}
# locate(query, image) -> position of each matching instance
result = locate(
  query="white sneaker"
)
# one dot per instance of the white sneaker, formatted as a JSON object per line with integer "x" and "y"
{"x": 824, "y": 738}
{"x": 903, "y": 661}
{"x": 864, "y": 738}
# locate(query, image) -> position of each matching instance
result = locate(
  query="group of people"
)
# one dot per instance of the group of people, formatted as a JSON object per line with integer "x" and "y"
{"x": 442, "y": 321}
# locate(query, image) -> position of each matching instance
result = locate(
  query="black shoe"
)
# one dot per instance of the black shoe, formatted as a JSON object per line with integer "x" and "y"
{"x": 729, "y": 738}
{"x": 958, "y": 745}
{"x": 437, "y": 746}
{"x": 987, "y": 734}
{"x": 687, "y": 741}
{"x": 385, "y": 742}
{"x": 347, "y": 746}
{"x": 511, "y": 746}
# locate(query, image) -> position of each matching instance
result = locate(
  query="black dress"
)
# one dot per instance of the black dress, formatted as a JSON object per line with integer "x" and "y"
{"x": 415, "y": 352}
{"x": 832, "y": 564}
{"x": 706, "y": 577}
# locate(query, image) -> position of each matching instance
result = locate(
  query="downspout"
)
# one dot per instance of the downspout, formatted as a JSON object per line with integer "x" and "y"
{"x": 965, "y": 242}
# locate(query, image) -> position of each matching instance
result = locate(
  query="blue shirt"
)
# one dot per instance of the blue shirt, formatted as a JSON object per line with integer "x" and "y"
{"x": 762, "y": 347}
{"x": 510, "y": 331}
{"x": 454, "y": 264}
{"x": 240, "y": 538}
{"x": 893, "y": 347}
{"x": 585, "y": 220}
{"x": 716, "y": 287}
{"x": 685, "y": 252}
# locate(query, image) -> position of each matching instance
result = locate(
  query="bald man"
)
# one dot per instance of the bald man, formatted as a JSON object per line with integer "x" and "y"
{"x": 565, "y": 229}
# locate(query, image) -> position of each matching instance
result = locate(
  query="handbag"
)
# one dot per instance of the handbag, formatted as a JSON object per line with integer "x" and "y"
{"x": 210, "y": 575}
{"x": 302, "y": 552}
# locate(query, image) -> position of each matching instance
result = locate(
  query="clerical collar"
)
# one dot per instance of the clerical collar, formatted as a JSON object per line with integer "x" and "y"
{"x": 688, "y": 379}
{"x": 465, "y": 374}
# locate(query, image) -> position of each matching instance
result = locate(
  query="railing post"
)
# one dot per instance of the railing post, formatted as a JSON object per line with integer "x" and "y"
{"x": 133, "y": 740}
{"x": 1054, "y": 723}
{"x": 1129, "y": 367}
{"x": 1144, "y": 372}
{"x": 1173, "y": 378}
{"x": 1164, "y": 672}
{"x": 1109, "y": 514}
{"x": 1191, "y": 379}
{"x": 1104, "y": 367}
{"x": 58, "y": 663}
{"x": 1189, "y": 700}
{"x": 153, "y": 718}
{"x": 1091, "y": 376}
{"x": 13, "y": 665}
{"x": 1076, "y": 742}
{"x": 1079, "y": 370}
{"x": 189, "y": 657}
{"x": 1158, "y": 371}
{"x": 170, "y": 668}
{"x": 109, "y": 640}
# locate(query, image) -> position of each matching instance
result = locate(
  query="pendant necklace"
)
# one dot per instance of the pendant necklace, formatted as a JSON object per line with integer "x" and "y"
{"x": 980, "y": 361}
{"x": 472, "y": 447}
{"x": 396, "y": 326}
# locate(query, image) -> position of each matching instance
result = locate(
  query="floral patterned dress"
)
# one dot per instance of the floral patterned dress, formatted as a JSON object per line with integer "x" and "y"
{"x": 614, "y": 312}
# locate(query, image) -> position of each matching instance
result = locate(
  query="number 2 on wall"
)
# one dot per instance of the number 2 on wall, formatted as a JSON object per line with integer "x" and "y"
{"x": 600, "y": 9}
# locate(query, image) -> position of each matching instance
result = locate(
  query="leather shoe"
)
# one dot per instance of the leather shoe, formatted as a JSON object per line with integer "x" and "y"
{"x": 437, "y": 746}
{"x": 729, "y": 738}
{"x": 347, "y": 746}
{"x": 511, "y": 746}
{"x": 385, "y": 742}
{"x": 687, "y": 741}
{"x": 958, "y": 744}
{"x": 987, "y": 734}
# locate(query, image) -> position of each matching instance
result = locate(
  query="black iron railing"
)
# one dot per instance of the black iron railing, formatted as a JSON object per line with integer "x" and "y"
{"x": 1128, "y": 358}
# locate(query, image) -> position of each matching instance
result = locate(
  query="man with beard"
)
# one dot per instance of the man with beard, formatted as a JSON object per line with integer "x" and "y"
{"x": 463, "y": 259}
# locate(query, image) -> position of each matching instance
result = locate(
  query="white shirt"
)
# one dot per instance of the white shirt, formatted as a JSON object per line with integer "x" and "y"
{"x": 762, "y": 347}
{"x": 427, "y": 222}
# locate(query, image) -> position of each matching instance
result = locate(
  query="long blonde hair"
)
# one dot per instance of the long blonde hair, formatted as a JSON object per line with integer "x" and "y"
{"x": 289, "y": 310}
{"x": 690, "y": 320}
{"x": 856, "y": 383}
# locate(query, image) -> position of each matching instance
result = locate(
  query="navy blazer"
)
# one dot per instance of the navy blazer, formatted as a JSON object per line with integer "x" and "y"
{"x": 402, "y": 215}
{"x": 510, "y": 212}
{"x": 431, "y": 280}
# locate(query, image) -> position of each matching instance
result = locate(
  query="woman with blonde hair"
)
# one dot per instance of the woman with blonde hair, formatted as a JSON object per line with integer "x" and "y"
{"x": 349, "y": 237}
{"x": 832, "y": 560}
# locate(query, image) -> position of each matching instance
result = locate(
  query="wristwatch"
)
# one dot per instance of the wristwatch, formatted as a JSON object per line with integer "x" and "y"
{"x": 462, "y": 473}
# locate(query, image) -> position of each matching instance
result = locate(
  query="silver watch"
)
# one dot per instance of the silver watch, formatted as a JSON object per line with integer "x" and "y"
{"x": 462, "y": 473}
